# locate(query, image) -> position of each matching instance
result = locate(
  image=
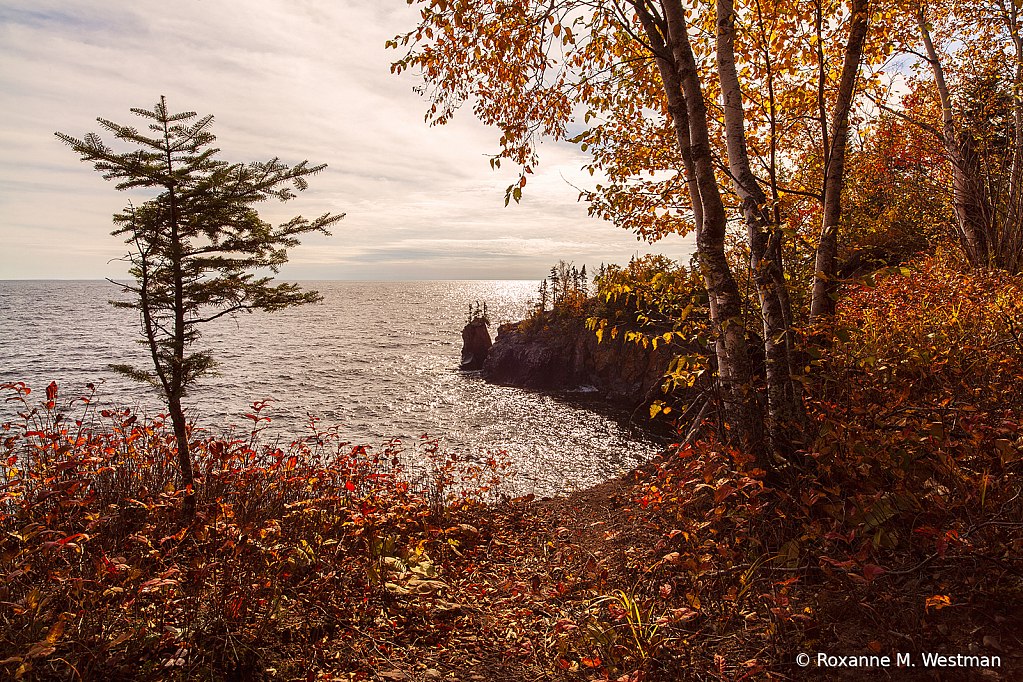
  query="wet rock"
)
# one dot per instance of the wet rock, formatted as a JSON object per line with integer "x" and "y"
{"x": 476, "y": 344}
{"x": 564, "y": 355}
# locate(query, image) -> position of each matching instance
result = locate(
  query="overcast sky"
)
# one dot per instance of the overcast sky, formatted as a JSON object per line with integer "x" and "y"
{"x": 298, "y": 79}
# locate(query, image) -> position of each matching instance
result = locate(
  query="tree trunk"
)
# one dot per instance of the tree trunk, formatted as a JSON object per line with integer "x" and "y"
{"x": 968, "y": 202}
{"x": 177, "y": 415}
{"x": 735, "y": 380}
{"x": 1010, "y": 246}
{"x": 178, "y": 370}
{"x": 781, "y": 419}
{"x": 172, "y": 393}
{"x": 668, "y": 70}
{"x": 822, "y": 302}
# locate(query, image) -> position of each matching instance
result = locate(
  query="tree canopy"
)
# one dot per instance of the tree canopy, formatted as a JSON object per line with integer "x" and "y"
{"x": 698, "y": 117}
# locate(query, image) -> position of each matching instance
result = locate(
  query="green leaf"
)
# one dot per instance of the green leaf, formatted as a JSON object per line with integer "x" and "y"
{"x": 140, "y": 375}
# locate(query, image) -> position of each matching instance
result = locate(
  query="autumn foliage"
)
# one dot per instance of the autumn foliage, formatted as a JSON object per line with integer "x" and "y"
{"x": 900, "y": 531}
{"x": 102, "y": 574}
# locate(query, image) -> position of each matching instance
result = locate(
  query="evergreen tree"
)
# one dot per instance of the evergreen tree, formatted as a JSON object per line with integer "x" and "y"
{"x": 193, "y": 245}
{"x": 555, "y": 289}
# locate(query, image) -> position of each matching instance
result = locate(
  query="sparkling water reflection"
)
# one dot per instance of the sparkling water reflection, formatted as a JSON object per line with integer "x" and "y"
{"x": 379, "y": 358}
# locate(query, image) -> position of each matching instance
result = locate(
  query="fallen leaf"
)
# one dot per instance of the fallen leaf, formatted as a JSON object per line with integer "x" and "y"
{"x": 870, "y": 571}
{"x": 993, "y": 643}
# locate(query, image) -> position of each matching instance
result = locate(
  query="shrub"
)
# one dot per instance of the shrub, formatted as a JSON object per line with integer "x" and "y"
{"x": 99, "y": 571}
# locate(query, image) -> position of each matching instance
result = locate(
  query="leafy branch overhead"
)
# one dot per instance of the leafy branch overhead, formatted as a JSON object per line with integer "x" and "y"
{"x": 194, "y": 246}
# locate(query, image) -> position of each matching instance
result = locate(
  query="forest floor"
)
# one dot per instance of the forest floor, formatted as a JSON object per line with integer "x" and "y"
{"x": 592, "y": 586}
{"x": 694, "y": 566}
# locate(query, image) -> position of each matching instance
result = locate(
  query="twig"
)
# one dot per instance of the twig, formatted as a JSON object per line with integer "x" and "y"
{"x": 915, "y": 568}
{"x": 1001, "y": 563}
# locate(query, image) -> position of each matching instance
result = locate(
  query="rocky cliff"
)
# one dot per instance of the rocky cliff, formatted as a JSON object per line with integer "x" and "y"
{"x": 564, "y": 355}
{"x": 476, "y": 344}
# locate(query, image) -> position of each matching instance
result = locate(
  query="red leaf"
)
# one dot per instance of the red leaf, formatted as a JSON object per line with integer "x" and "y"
{"x": 51, "y": 391}
{"x": 723, "y": 493}
{"x": 564, "y": 625}
{"x": 349, "y": 486}
{"x": 870, "y": 571}
{"x": 73, "y": 537}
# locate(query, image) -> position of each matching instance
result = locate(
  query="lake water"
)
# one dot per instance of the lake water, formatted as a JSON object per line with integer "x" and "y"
{"x": 378, "y": 358}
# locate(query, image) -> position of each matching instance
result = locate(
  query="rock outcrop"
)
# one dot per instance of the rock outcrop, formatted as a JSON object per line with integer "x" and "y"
{"x": 565, "y": 355}
{"x": 476, "y": 344}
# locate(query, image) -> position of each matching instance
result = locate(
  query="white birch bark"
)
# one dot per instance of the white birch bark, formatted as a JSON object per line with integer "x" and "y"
{"x": 822, "y": 304}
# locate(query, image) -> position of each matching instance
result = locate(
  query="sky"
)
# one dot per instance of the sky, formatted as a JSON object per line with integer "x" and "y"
{"x": 295, "y": 79}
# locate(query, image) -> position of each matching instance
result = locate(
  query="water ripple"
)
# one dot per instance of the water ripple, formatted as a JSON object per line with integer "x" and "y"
{"x": 379, "y": 357}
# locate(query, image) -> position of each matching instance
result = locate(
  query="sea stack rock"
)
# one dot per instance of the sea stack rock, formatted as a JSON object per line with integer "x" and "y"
{"x": 476, "y": 344}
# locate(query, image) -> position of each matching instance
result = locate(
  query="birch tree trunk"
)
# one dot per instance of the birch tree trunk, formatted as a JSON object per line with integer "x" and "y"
{"x": 822, "y": 303}
{"x": 968, "y": 202}
{"x": 782, "y": 419}
{"x": 1011, "y": 244}
{"x": 655, "y": 29}
{"x": 741, "y": 412}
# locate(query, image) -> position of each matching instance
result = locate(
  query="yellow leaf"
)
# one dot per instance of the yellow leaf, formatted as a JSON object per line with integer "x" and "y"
{"x": 55, "y": 632}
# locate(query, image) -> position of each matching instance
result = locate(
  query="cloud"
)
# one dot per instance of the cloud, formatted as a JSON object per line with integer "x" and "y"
{"x": 298, "y": 79}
